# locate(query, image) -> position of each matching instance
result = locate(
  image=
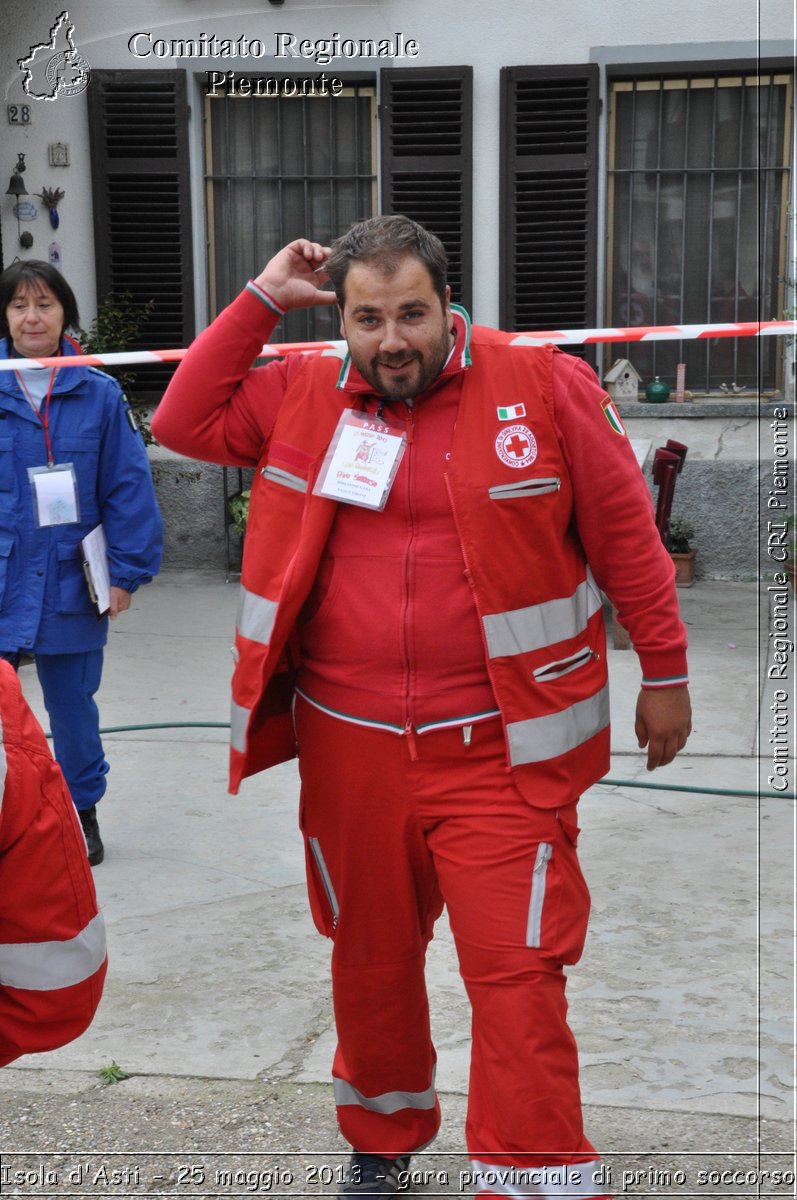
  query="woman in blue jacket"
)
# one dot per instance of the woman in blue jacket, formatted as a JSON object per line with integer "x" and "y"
{"x": 71, "y": 457}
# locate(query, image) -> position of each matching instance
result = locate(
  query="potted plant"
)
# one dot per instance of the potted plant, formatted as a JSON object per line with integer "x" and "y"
{"x": 679, "y": 543}
{"x": 238, "y": 508}
{"x": 117, "y": 324}
{"x": 236, "y": 515}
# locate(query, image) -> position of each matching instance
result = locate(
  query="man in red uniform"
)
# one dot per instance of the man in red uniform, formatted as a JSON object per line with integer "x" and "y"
{"x": 52, "y": 938}
{"x": 431, "y": 525}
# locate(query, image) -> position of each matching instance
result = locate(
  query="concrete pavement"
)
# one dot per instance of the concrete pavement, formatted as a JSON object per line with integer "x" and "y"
{"x": 682, "y": 1004}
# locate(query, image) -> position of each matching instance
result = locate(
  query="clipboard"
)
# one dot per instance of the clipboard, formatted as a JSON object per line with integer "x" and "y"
{"x": 94, "y": 548}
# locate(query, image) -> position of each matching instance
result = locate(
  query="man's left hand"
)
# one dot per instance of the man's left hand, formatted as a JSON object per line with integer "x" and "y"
{"x": 663, "y": 723}
{"x": 120, "y": 600}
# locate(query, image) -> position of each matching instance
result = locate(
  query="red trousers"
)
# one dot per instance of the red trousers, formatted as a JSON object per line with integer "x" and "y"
{"x": 394, "y": 828}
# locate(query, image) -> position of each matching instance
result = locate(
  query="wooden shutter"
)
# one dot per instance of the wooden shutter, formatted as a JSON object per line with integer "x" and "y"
{"x": 549, "y": 176}
{"x": 427, "y": 159}
{"x": 142, "y": 205}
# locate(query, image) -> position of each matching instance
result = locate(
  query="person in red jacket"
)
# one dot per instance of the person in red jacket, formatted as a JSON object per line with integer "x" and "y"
{"x": 431, "y": 525}
{"x": 52, "y": 937}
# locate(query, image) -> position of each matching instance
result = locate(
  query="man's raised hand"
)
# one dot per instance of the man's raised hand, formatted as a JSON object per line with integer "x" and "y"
{"x": 293, "y": 275}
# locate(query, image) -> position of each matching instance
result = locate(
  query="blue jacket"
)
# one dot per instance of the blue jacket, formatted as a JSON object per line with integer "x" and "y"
{"x": 44, "y": 601}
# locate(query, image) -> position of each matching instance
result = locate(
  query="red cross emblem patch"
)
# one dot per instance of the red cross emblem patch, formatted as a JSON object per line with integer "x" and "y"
{"x": 516, "y": 446}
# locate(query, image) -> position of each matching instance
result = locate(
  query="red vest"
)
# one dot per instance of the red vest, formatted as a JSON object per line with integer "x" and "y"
{"x": 52, "y": 937}
{"x": 540, "y": 609}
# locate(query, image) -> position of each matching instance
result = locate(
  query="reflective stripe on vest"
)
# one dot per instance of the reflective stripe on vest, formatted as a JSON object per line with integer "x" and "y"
{"x": 256, "y": 617}
{"x": 239, "y": 719}
{"x": 46, "y": 966}
{"x": 388, "y": 1102}
{"x": 540, "y": 625}
{"x": 278, "y": 475}
{"x": 541, "y": 738}
{"x": 551, "y": 1182}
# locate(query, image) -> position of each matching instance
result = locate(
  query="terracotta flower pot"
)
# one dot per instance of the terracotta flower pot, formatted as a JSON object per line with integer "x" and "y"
{"x": 684, "y": 567}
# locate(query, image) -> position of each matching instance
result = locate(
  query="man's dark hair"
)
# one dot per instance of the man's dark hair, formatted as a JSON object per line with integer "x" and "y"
{"x": 385, "y": 241}
{"x": 32, "y": 274}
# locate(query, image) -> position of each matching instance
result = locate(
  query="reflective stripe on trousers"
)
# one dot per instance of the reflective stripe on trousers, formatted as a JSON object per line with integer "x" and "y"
{"x": 389, "y": 1102}
{"x": 46, "y": 966}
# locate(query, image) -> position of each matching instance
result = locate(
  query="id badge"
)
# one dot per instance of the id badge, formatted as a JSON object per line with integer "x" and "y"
{"x": 361, "y": 463}
{"x": 55, "y": 496}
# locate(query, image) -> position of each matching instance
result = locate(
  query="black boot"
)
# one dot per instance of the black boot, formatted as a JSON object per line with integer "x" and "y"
{"x": 91, "y": 830}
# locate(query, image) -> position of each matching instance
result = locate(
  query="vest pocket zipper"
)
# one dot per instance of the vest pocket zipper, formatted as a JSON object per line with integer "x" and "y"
{"x": 326, "y": 881}
{"x": 564, "y": 666}
{"x": 537, "y": 899}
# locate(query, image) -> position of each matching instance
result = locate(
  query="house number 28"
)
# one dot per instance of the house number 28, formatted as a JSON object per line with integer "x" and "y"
{"x": 18, "y": 114}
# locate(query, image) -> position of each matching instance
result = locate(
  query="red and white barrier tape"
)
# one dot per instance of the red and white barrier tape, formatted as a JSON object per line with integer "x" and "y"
{"x": 559, "y": 337}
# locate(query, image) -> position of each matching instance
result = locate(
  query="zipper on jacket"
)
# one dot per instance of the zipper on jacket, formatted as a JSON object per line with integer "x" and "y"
{"x": 409, "y": 733}
{"x": 472, "y": 585}
{"x": 408, "y": 574}
{"x": 323, "y": 871}
{"x": 564, "y": 666}
{"x": 537, "y": 900}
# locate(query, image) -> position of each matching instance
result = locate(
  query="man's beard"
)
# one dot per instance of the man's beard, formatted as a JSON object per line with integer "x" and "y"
{"x": 421, "y": 369}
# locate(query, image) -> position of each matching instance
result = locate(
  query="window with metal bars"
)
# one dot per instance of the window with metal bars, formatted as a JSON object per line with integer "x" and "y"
{"x": 279, "y": 168}
{"x": 549, "y": 126}
{"x": 697, "y": 207}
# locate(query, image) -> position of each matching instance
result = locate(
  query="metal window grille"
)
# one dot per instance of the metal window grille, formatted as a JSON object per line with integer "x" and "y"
{"x": 698, "y": 190}
{"x": 282, "y": 167}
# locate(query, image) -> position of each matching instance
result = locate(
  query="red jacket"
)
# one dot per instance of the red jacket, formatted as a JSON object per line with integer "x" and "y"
{"x": 301, "y": 398}
{"x": 539, "y": 608}
{"x": 52, "y": 937}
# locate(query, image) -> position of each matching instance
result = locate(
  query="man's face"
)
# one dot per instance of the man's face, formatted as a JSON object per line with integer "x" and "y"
{"x": 399, "y": 333}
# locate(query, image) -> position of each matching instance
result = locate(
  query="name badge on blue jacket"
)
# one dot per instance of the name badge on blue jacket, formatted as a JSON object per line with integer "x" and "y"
{"x": 55, "y": 495}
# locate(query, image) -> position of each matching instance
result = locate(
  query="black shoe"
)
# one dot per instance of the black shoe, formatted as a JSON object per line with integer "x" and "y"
{"x": 91, "y": 831}
{"x": 373, "y": 1175}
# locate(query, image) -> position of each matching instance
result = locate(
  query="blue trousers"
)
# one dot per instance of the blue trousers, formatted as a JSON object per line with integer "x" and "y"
{"x": 68, "y": 683}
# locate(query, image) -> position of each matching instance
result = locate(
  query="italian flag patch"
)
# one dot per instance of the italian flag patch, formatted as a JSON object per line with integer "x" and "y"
{"x": 612, "y": 415}
{"x": 513, "y": 413}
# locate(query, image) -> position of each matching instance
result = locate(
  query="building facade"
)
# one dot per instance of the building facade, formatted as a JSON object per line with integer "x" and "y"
{"x": 585, "y": 164}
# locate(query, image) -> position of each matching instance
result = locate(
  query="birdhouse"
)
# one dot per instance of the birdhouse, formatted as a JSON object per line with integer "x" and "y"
{"x": 622, "y": 380}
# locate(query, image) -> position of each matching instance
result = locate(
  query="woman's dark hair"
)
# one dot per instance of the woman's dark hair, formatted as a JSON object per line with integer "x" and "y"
{"x": 31, "y": 274}
{"x": 387, "y": 241}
